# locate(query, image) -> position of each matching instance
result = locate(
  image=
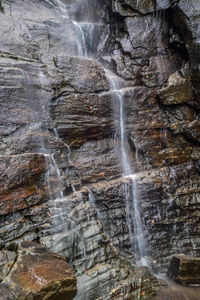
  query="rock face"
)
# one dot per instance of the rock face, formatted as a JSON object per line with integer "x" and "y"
{"x": 178, "y": 292}
{"x": 60, "y": 140}
{"x": 185, "y": 269}
{"x": 179, "y": 88}
{"x": 22, "y": 181}
{"x": 37, "y": 273}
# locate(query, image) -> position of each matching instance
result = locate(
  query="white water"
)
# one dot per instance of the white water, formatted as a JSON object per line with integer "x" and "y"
{"x": 81, "y": 44}
{"x": 83, "y": 32}
{"x": 57, "y": 136}
{"x": 93, "y": 203}
{"x": 133, "y": 214}
{"x": 114, "y": 85}
{"x": 36, "y": 128}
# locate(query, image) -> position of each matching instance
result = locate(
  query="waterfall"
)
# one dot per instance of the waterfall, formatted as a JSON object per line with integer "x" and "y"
{"x": 133, "y": 213}
{"x": 38, "y": 129}
{"x": 118, "y": 98}
{"x": 84, "y": 35}
{"x": 82, "y": 50}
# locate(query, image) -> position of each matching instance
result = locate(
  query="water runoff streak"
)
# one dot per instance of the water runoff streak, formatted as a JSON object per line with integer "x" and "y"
{"x": 133, "y": 213}
{"x": 84, "y": 26}
{"x": 83, "y": 32}
{"x": 82, "y": 36}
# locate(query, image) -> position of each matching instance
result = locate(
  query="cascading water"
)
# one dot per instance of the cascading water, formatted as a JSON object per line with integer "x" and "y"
{"x": 60, "y": 219}
{"x": 38, "y": 130}
{"x": 83, "y": 36}
{"x": 82, "y": 50}
{"x": 93, "y": 203}
{"x": 133, "y": 213}
{"x": 83, "y": 33}
{"x": 92, "y": 233}
{"x": 82, "y": 30}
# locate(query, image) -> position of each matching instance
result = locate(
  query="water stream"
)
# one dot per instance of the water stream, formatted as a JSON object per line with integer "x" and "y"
{"x": 37, "y": 130}
{"x": 82, "y": 50}
{"x": 133, "y": 213}
{"x": 96, "y": 234}
{"x": 84, "y": 30}
{"x": 85, "y": 27}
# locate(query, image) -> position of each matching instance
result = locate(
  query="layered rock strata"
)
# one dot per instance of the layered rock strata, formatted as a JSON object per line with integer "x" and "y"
{"x": 184, "y": 269}
{"x": 58, "y": 136}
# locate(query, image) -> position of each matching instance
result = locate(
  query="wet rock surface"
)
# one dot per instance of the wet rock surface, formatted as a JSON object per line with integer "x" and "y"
{"x": 185, "y": 269}
{"x": 37, "y": 273}
{"x": 22, "y": 181}
{"x": 179, "y": 89}
{"x": 146, "y": 284}
{"x": 177, "y": 292}
{"x": 58, "y": 123}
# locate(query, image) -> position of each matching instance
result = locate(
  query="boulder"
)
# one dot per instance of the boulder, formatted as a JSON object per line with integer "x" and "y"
{"x": 185, "y": 269}
{"x": 38, "y": 273}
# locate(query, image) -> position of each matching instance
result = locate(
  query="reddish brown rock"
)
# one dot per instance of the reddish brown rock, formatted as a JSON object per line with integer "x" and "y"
{"x": 41, "y": 274}
{"x": 44, "y": 91}
{"x": 22, "y": 181}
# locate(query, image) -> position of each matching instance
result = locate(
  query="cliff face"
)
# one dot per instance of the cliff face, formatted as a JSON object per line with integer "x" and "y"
{"x": 61, "y": 167}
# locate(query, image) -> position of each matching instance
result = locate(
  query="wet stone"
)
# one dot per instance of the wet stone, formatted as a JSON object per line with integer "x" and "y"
{"x": 38, "y": 273}
{"x": 53, "y": 101}
{"x": 22, "y": 181}
{"x": 185, "y": 269}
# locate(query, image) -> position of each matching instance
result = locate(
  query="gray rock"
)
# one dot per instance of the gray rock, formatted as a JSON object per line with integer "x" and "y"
{"x": 179, "y": 88}
{"x": 130, "y": 8}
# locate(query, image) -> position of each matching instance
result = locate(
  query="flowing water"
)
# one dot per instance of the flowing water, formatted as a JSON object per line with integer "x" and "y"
{"x": 82, "y": 50}
{"x": 84, "y": 23}
{"x": 133, "y": 213}
{"x": 84, "y": 32}
{"x": 84, "y": 35}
